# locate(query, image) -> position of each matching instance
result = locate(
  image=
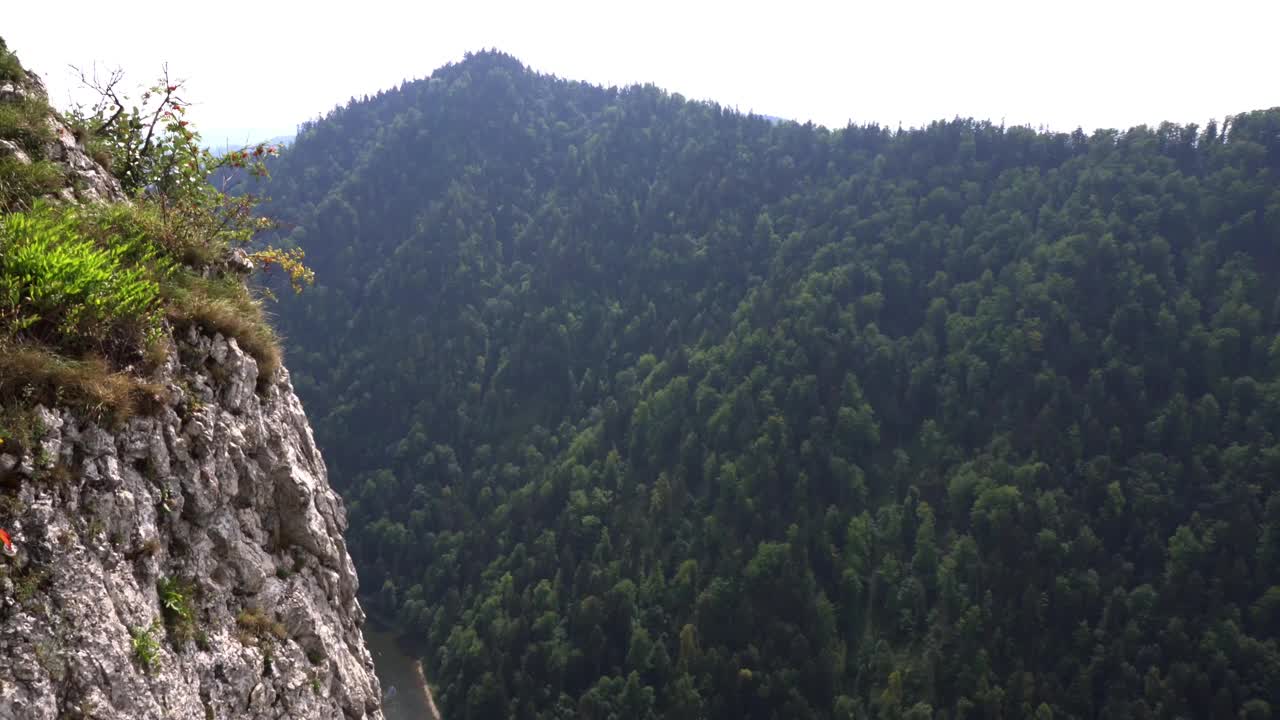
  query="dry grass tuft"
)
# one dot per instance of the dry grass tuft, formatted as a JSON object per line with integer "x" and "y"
{"x": 156, "y": 353}
{"x": 258, "y": 626}
{"x": 31, "y": 374}
{"x": 226, "y": 306}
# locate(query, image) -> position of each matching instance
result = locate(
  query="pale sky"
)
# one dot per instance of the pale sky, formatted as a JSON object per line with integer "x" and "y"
{"x": 262, "y": 67}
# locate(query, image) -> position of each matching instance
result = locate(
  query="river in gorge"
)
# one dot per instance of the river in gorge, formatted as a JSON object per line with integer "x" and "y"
{"x": 405, "y": 695}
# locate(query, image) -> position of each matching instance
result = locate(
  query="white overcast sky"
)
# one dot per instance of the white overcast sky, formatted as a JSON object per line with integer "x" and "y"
{"x": 261, "y": 67}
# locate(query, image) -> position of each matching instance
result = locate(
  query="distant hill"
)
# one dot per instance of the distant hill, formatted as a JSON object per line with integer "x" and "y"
{"x": 220, "y": 144}
{"x": 643, "y": 408}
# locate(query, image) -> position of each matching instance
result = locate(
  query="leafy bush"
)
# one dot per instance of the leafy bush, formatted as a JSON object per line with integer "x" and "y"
{"x": 19, "y": 428}
{"x": 158, "y": 158}
{"x": 190, "y": 237}
{"x": 88, "y": 295}
{"x": 26, "y": 122}
{"x": 63, "y": 288}
{"x": 183, "y": 238}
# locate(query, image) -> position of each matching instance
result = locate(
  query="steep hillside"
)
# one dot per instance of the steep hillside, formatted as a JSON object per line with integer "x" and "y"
{"x": 645, "y": 408}
{"x": 171, "y": 546}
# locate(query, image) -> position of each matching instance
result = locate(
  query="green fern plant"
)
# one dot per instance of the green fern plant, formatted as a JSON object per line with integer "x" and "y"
{"x": 61, "y": 287}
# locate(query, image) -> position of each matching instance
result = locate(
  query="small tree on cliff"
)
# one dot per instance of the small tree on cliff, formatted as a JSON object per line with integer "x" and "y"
{"x": 156, "y": 154}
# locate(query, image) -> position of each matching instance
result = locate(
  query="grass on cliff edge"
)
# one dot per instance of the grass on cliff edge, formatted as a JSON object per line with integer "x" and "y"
{"x": 195, "y": 289}
{"x": 89, "y": 297}
{"x": 10, "y": 69}
{"x": 24, "y": 122}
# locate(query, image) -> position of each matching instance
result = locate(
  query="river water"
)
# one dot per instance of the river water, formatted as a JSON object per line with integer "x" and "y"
{"x": 404, "y": 696}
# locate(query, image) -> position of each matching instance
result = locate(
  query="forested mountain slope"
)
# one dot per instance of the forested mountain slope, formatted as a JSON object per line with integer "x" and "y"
{"x": 646, "y": 408}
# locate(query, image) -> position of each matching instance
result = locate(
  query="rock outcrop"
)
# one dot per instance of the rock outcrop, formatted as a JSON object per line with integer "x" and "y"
{"x": 85, "y": 180}
{"x": 189, "y": 564}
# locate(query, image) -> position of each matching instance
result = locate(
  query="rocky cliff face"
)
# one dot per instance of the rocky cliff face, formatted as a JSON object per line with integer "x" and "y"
{"x": 187, "y": 565}
{"x": 85, "y": 179}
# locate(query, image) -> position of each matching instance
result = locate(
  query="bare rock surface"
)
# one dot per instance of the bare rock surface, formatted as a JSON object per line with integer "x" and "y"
{"x": 222, "y": 495}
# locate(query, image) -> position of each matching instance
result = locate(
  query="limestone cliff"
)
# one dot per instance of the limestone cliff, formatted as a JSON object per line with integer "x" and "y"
{"x": 188, "y": 563}
{"x": 221, "y": 498}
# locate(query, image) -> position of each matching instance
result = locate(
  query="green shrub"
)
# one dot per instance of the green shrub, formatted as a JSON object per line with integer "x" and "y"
{"x": 21, "y": 183}
{"x": 26, "y": 122}
{"x": 10, "y": 69}
{"x": 85, "y": 291}
{"x": 19, "y": 427}
{"x": 27, "y": 583}
{"x": 183, "y": 239}
{"x": 65, "y": 289}
{"x": 189, "y": 241}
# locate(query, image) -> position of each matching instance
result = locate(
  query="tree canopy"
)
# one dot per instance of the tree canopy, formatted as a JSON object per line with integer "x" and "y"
{"x": 643, "y": 407}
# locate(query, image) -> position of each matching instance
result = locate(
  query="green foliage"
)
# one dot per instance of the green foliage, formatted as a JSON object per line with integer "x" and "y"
{"x": 10, "y": 69}
{"x": 642, "y": 406}
{"x": 26, "y": 122}
{"x": 177, "y": 607}
{"x": 20, "y": 182}
{"x": 146, "y": 646}
{"x": 89, "y": 295}
{"x": 187, "y": 243}
{"x": 156, "y": 153}
{"x": 24, "y": 126}
{"x": 62, "y": 288}
{"x": 150, "y": 145}
{"x": 27, "y": 584}
{"x": 66, "y": 300}
{"x": 19, "y": 428}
